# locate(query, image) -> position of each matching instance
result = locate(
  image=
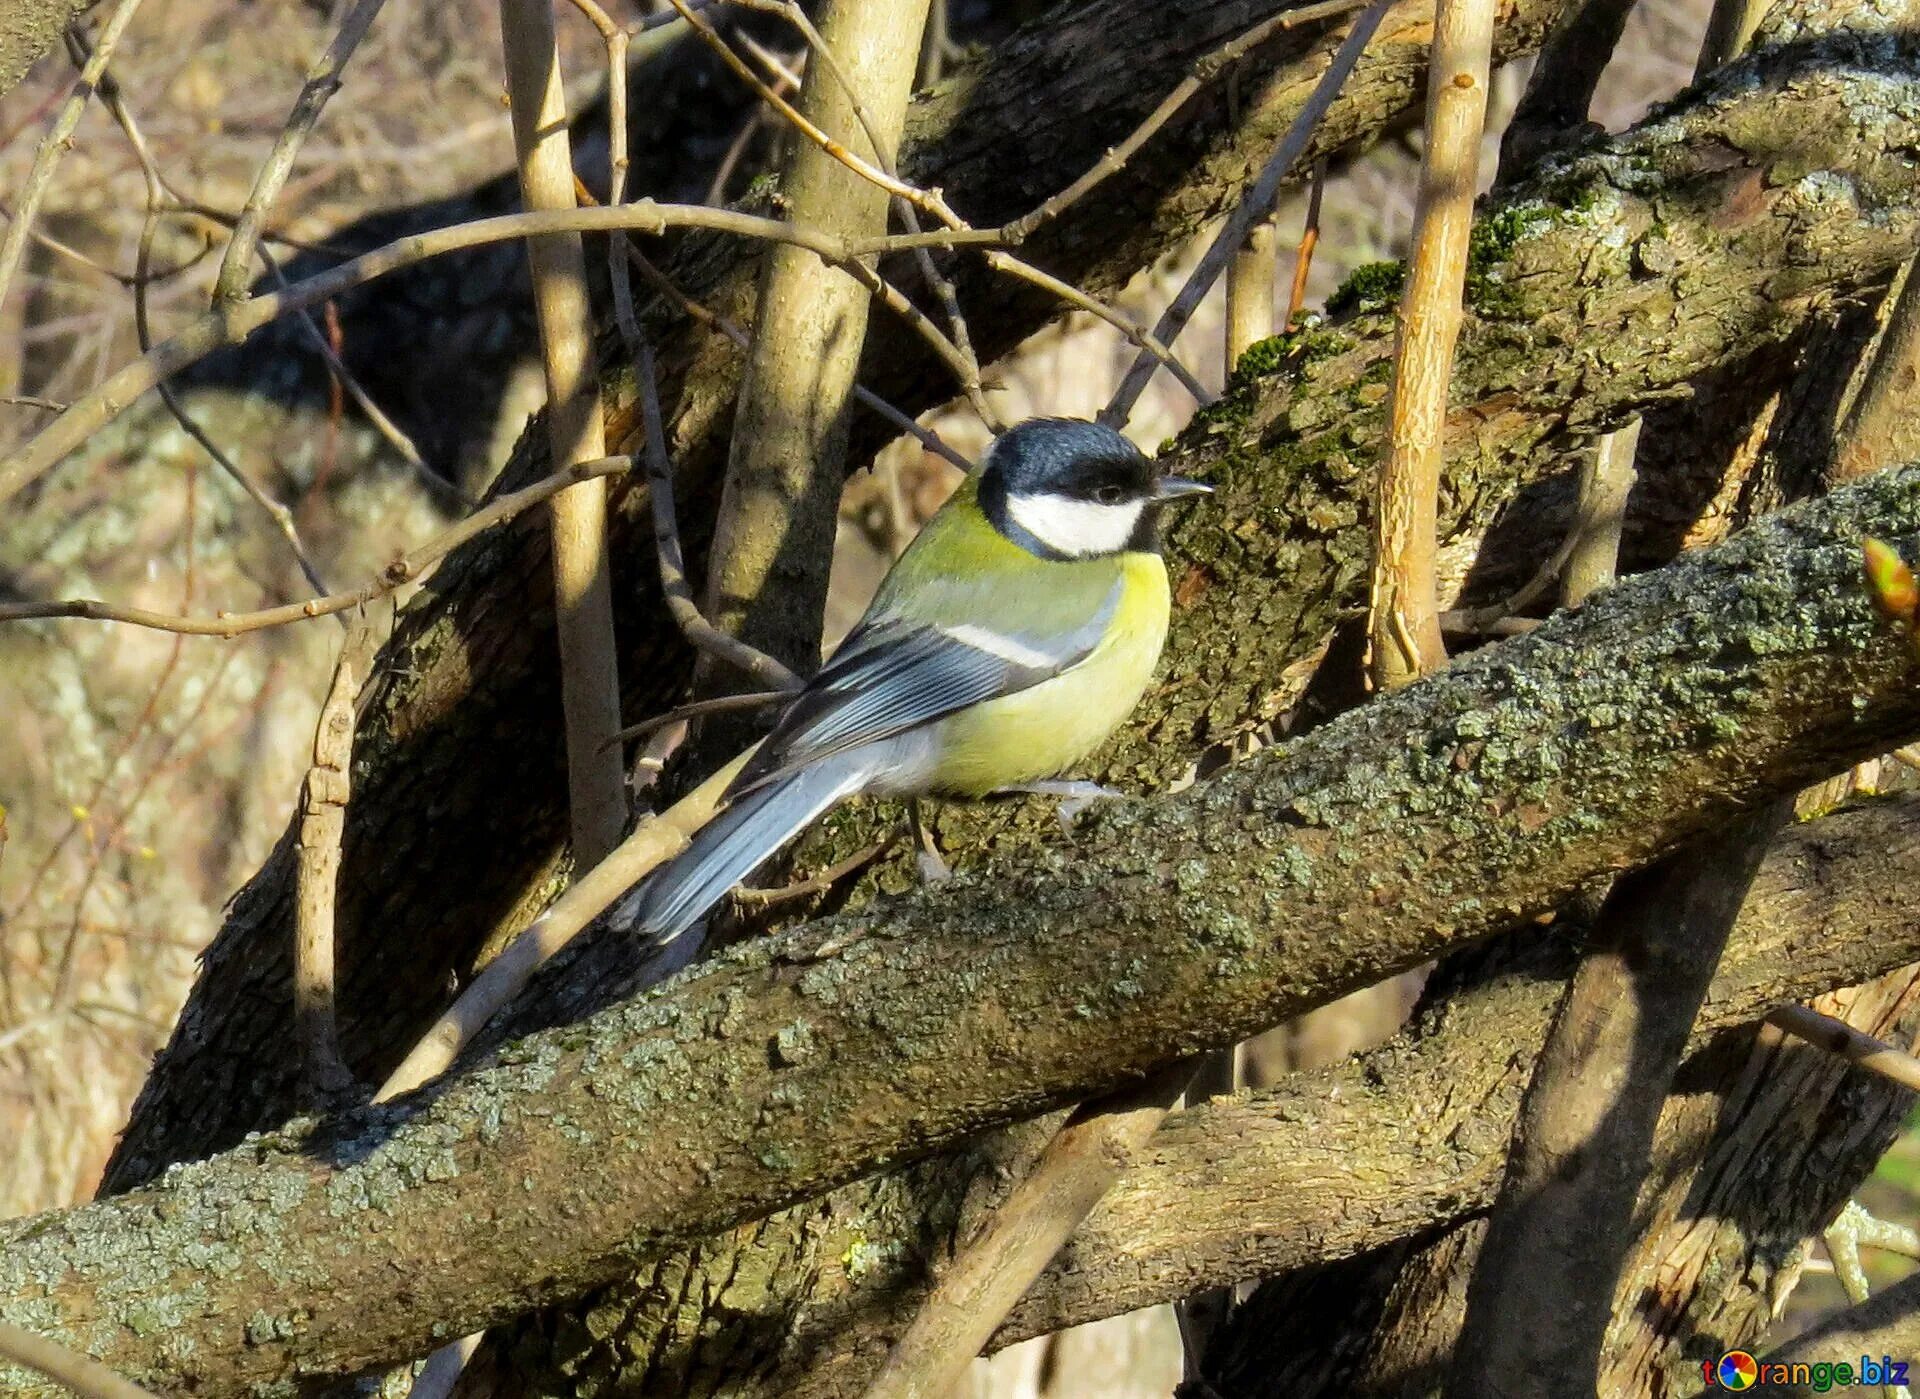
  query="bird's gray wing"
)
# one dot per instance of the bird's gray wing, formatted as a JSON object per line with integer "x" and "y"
{"x": 892, "y": 675}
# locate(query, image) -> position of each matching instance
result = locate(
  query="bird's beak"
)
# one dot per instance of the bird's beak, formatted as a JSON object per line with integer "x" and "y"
{"x": 1174, "y": 487}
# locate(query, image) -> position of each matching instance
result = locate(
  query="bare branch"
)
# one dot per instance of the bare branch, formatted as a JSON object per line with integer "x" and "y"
{"x": 786, "y": 465}
{"x": 1250, "y": 286}
{"x": 46, "y": 158}
{"x": 1255, "y": 206}
{"x": 1838, "y": 1037}
{"x": 995, "y": 1269}
{"x": 1198, "y": 77}
{"x": 215, "y": 331}
{"x": 87, "y": 1378}
{"x": 1403, "y": 627}
{"x": 651, "y": 845}
{"x": 582, "y": 572}
{"x": 323, "y": 80}
{"x": 323, "y": 817}
{"x": 403, "y": 570}
{"x": 673, "y": 570}
{"x": 1593, "y": 543}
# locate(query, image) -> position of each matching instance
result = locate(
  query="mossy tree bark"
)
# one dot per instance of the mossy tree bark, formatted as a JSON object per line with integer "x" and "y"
{"x": 1455, "y": 808}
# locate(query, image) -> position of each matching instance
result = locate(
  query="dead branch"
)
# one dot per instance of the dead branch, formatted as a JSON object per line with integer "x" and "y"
{"x": 46, "y": 157}
{"x": 1256, "y": 205}
{"x": 1250, "y": 287}
{"x": 323, "y": 819}
{"x": 656, "y": 840}
{"x": 1593, "y": 543}
{"x": 323, "y": 80}
{"x": 1403, "y": 626}
{"x": 84, "y": 1377}
{"x": 1838, "y": 1037}
{"x": 994, "y": 1271}
{"x": 582, "y": 572}
{"x": 404, "y": 570}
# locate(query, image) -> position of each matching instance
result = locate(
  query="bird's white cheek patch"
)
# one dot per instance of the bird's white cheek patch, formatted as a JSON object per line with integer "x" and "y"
{"x": 1078, "y": 528}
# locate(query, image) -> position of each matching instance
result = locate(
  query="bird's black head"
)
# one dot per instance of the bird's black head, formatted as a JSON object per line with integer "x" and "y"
{"x": 1067, "y": 489}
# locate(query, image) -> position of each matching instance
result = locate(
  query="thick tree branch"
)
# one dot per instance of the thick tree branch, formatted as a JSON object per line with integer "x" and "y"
{"x": 1541, "y": 1295}
{"x": 468, "y": 662}
{"x": 783, "y": 1068}
{"x": 1327, "y": 1165}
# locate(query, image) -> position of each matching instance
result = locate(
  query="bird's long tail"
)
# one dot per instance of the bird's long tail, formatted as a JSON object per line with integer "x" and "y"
{"x": 732, "y": 845}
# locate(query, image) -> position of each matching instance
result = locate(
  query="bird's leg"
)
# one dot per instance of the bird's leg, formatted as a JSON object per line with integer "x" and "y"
{"x": 931, "y": 864}
{"x": 1075, "y": 796}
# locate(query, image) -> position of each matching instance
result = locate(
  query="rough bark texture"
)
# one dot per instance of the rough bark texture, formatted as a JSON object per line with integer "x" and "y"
{"x": 458, "y": 820}
{"x": 1327, "y": 1165}
{"x": 1539, "y": 1302}
{"x": 28, "y": 28}
{"x": 1455, "y": 808}
{"x": 1758, "y": 1148}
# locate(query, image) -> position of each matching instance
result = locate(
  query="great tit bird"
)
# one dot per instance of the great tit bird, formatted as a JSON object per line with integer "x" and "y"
{"x": 1014, "y": 634}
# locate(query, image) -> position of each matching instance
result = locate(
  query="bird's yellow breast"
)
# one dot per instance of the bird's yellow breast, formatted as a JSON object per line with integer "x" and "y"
{"x": 1044, "y": 730}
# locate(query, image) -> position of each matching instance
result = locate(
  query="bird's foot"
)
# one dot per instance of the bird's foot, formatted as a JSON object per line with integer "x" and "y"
{"x": 1075, "y": 796}
{"x": 932, "y": 866}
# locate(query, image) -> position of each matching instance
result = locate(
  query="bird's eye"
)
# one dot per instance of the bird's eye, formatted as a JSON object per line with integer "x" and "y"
{"x": 1108, "y": 495}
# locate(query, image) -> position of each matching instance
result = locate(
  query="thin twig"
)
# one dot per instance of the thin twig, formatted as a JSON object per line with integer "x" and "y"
{"x": 86, "y": 1377}
{"x": 883, "y": 152}
{"x": 996, "y": 1267}
{"x": 1255, "y": 206}
{"x": 820, "y": 883}
{"x": 157, "y": 195}
{"x": 395, "y": 435}
{"x": 1309, "y": 240}
{"x": 582, "y": 575}
{"x": 323, "y": 80}
{"x": 928, "y": 201}
{"x": 1153, "y": 349}
{"x": 323, "y": 819}
{"x": 46, "y": 158}
{"x": 216, "y": 331}
{"x": 1019, "y": 230}
{"x": 1855, "y": 1046}
{"x": 651, "y": 845}
{"x": 701, "y": 633}
{"x": 694, "y": 709}
{"x": 403, "y": 570}
{"x": 1403, "y": 627}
